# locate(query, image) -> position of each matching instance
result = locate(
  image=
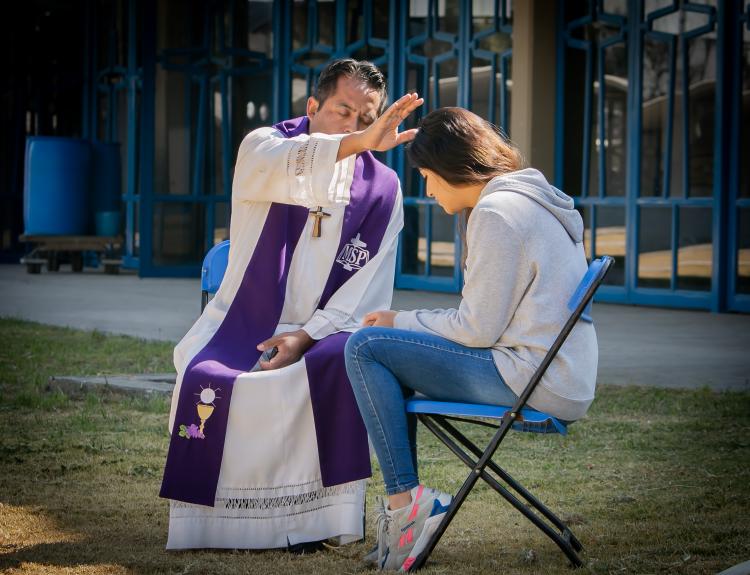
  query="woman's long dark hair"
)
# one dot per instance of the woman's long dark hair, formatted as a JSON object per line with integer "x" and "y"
{"x": 463, "y": 149}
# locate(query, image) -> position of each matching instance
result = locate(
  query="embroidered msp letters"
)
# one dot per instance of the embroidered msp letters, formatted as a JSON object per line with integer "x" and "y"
{"x": 354, "y": 255}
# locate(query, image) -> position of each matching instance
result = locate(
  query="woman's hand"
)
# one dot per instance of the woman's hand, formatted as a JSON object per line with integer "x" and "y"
{"x": 383, "y": 134}
{"x": 380, "y": 318}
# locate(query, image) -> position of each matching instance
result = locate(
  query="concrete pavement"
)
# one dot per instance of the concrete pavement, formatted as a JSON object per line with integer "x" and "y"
{"x": 637, "y": 345}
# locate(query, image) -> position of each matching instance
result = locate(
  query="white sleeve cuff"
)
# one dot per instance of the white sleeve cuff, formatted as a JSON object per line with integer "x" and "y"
{"x": 406, "y": 320}
{"x": 319, "y": 327}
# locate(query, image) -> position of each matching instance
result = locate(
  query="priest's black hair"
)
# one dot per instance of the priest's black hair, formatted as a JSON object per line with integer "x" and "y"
{"x": 351, "y": 68}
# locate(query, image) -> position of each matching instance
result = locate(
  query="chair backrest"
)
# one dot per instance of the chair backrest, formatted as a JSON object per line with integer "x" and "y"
{"x": 214, "y": 266}
{"x": 596, "y": 269}
{"x": 578, "y": 304}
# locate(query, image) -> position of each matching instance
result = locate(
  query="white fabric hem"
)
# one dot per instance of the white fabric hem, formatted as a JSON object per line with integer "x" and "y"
{"x": 238, "y": 523}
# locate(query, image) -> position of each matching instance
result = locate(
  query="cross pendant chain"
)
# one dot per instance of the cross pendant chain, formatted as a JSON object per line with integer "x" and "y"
{"x": 318, "y": 214}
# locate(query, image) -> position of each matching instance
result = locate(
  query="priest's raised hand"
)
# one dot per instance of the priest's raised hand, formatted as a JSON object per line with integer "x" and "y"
{"x": 383, "y": 134}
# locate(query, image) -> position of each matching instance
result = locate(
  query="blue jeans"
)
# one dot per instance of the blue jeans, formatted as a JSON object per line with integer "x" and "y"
{"x": 386, "y": 366}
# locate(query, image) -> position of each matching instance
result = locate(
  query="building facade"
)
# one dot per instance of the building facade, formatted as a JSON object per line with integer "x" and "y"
{"x": 639, "y": 109}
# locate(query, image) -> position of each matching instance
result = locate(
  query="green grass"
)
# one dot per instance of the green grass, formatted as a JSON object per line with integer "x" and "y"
{"x": 652, "y": 481}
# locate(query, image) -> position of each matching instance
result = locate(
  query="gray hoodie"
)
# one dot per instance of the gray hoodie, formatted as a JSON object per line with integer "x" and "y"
{"x": 525, "y": 259}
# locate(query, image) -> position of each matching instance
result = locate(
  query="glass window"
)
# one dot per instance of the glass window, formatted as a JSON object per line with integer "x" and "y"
{"x": 179, "y": 233}
{"x": 490, "y": 76}
{"x": 221, "y": 222}
{"x": 595, "y": 115}
{"x": 695, "y": 255}
{"x": 742, "y": 279}
{"x": 655, "y": 247}
{"x": 678, "y": 130}
{"x": 215, "y": 183}
{"x": 611, "y": 240}
{"x": 654, "y": 116}
{"x": 252, "y": 99}
{"x": 701, "y": 114}
{"x": 172, "y": 137}
{"x": 179, "y": 27}
{"x": 585, "y": 212}
{"x": 615, "y": 119}
{"x": 326, "y": 10}
{"x": 575, "y": 94}
{"x": 744, "y": 151}
{"x": 136, "y": 240}
{"x": 253, "y": 28}
{"x": 413, "y": 240}
{"x": 442, "y": 246}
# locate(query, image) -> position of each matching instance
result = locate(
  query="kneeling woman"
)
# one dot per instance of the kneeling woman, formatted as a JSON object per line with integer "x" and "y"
{"x": 524, "y": 259}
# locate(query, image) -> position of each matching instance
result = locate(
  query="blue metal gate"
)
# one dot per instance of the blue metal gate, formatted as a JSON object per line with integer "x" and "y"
{"x": 211, "y": 75}
{"x": 211, "y": 72}
{"x": 646, "y": 154}
{"x": 455, "y": 53}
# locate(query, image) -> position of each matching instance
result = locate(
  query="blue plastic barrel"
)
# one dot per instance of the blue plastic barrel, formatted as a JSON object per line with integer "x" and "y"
{"x": 56, "y": 186}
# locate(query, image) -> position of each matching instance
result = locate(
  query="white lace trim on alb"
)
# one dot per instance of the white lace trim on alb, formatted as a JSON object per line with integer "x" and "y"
{"x": 244, "y": 500}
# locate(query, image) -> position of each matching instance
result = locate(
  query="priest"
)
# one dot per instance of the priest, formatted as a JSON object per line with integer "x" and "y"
{"x": 267, "y": 446}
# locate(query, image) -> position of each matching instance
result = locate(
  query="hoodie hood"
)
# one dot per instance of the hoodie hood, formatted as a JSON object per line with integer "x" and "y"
{"x": 532, "y": 184}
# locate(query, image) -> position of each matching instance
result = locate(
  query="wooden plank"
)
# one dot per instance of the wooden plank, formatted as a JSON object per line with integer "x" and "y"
{"x": 74, "y": 243}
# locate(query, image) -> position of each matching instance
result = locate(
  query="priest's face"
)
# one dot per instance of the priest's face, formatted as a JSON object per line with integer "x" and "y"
{"x": 352, "y": 107}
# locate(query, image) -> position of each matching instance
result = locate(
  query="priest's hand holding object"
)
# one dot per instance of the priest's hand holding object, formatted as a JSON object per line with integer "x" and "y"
{"x": 290, "y": 347}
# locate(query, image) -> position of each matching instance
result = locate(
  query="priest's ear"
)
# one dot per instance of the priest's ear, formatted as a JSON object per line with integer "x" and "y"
{"x": 312, "y": 106}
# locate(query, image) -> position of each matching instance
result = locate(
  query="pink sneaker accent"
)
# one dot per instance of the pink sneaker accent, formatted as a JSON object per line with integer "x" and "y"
{"x": 408, "y": 563}
{"x": 402, "y": 540}
{"x": 410, "y": 535}
{"x": 415, "y": 507}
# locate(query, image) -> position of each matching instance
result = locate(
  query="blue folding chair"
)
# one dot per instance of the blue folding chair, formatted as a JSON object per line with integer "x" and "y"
{"x": 212, "y": 272}
{"x": 436, "y": 414}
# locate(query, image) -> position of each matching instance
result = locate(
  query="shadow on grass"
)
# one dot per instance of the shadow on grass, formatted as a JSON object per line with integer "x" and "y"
{"x": 131, "y": 542}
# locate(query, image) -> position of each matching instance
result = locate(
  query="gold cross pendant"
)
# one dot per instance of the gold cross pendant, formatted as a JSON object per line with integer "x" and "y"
{"x": 318, "y": 214}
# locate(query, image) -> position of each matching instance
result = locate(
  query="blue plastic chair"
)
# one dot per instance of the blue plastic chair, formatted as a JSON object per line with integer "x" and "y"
{"x": 212, "y": 272}
{"x": 435, "y": 415}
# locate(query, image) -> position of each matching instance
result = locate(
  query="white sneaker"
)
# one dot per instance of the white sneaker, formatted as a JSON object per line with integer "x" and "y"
{"x": 403, "y": 534}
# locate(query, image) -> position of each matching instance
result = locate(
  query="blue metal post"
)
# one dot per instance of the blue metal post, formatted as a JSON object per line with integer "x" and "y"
{"x": 632, "y": 177}
{"x": 281, "y": 70}
{"x": 132, "y": 159}
{"x": 148, "y": 124}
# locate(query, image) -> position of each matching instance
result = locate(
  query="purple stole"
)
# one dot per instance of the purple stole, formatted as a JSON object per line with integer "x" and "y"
{"x": 197, "y": 443}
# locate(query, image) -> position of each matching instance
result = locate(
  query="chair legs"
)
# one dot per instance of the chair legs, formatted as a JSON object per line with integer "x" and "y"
{"x": 517, "y": 487}
{"x": 557, "y": 532}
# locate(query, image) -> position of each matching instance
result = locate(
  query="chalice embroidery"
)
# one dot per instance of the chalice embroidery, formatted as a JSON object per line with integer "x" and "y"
{"x": 205, "y": 408}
